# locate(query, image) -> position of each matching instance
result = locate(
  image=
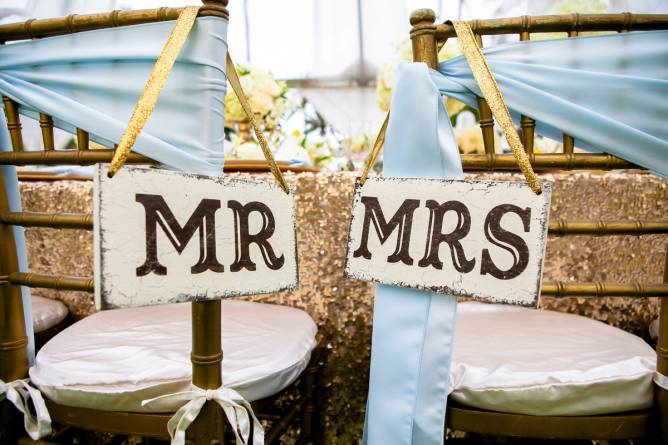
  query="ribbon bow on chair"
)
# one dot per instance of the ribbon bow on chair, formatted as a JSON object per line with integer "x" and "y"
{"x": 236, "y": 408}
{"x": 19, "y": 392}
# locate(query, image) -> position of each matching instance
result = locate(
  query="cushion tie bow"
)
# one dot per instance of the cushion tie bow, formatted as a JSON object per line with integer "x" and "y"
{"x": 19, "y": 393}
{"x": 237, "y": 410}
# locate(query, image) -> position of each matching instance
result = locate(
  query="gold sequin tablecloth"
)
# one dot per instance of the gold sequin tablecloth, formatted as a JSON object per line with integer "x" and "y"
{"x": 343, "y": 307}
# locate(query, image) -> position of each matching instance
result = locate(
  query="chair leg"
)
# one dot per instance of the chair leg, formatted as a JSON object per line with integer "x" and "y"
{"x": 308, "y": 412}
{"x": 319, "y": 434}
{"x": 310, "y": 431}
{"x": 661, "y": 394}
{"x": 209, "y": 426}
{"x": 662, "y": 410}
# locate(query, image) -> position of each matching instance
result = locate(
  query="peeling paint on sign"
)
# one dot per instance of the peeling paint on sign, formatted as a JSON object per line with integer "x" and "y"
{"x": 168, "y": 237}
{"x": 482, "y": 239}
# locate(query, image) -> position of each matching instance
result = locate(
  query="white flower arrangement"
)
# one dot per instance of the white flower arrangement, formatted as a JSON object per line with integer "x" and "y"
{"x": 267, "y": 97}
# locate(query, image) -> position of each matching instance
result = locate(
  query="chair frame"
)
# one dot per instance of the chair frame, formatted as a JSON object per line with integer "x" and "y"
{"x": 427, "y": 37}
{"x": 207, "y": 352}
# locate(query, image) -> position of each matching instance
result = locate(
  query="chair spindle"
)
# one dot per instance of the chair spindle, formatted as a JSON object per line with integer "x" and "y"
{"x": 569, "y": 141}
{"x": 13, "y": 123}
{"x": 46, "y": 125}
{"x": 528, "y": 125}
{"x": 83, "y": 140}
{"x": 486, "y": 118}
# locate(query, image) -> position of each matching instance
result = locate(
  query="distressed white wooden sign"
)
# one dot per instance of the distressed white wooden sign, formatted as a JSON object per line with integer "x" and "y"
{"x": 484, "y": 239}
{"x": 167, "y": 237}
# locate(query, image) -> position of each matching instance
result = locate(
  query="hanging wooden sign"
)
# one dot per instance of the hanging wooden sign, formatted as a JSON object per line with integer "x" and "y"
{"x": 167, "y": 237}
{"x": 482, "y": 239}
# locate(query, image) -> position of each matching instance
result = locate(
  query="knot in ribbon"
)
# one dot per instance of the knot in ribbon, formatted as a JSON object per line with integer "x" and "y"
{"x": 661, "y": 380}
{"x": 237, "y": 410}
{"x": 19, "y": 393}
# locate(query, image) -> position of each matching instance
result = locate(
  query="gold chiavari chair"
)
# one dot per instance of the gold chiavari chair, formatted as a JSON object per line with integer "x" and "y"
{"x": 427, "y": 37}
{"x": 295, "y": 405}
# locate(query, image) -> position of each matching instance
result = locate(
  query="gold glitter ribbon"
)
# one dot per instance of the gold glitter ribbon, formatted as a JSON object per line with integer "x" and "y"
{"x": 375, "y": 151}
{"x": 149, "y": 97}
{"x": 233, "y": 78}
{"x": 490, "y": 90}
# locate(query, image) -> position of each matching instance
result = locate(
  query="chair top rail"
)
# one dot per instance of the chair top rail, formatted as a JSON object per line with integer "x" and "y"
{"x": 561, "y": 23}
{"x": 39, "y": 28}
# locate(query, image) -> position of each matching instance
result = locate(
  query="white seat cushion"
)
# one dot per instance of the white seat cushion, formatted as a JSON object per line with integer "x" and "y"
{"x": 114, "y": 359}
{"x": 535, "y": 362}
{"x": 46, "y": 313}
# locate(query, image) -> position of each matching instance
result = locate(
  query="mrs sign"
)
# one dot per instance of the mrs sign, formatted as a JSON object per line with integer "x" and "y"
{"x": 167, "y": 237}
{"x": 475, "y": 238}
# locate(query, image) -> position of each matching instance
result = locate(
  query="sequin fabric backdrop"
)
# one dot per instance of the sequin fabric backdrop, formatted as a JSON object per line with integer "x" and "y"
{"x": 342, "y": 307}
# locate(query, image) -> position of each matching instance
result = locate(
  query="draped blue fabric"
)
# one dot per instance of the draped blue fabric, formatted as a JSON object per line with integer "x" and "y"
{"x": 607, "y": 91}
{"x": 92, "y": 80}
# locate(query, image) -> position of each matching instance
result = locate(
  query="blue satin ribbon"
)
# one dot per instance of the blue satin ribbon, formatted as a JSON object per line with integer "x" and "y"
{"x": 413, "y": 330}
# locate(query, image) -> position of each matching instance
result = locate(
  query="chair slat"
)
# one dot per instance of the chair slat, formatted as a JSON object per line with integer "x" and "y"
{"x": 58, "y": 282}
{"x": 83, "y": 139}
{"x": 66, "y": 157}
{"x": 601, "y": 289}
{"x": 569, "y": 141}
{"x": 52, "y": 220}
{"x": 486, "y": 117}
{"x": 562, "y": 227}
{"x": 548, "y": 161}
{"x": 528, "y": 125}
{"x": 569, "y": 144}
{"x": 13, "y": 123}
{"x": 46, "y": 125}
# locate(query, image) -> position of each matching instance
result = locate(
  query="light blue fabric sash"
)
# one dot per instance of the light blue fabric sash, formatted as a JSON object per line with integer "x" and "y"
{"x": 412, "y": 329}
{"x": 607, "y": 91}
{"x": 92, "y": 80}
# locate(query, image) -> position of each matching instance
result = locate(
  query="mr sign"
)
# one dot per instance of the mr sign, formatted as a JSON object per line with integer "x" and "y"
{"x": 476, "y": 238}
{"x": 166, "y": 237}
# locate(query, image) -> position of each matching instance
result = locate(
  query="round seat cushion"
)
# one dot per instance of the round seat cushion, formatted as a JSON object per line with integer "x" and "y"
{"x": 46, "y": 313}
{"x": 113, "y": 360}
{"x": 525, "y": 361}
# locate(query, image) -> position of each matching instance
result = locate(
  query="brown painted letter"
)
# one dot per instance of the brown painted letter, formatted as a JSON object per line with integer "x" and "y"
{"x": 436, "y": 237}
{"x": 202, "y": 220}
{"x": 403, "y": 219}
{"x": 513, "y": 243}
{"x": 243, "y": 240}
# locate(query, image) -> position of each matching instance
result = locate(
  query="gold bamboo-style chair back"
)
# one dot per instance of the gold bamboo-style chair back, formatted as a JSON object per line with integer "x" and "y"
{"x": 206, "y": 354}
{"x": 427, "y": 38}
